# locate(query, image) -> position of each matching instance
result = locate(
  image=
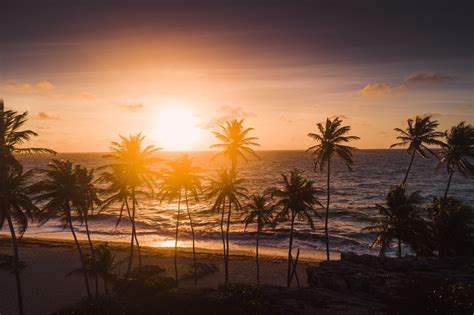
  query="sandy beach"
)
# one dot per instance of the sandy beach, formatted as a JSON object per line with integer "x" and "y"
{"x": 46, "y": 287}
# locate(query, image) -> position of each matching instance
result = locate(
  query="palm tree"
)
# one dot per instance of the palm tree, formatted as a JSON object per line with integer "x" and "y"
{"x": 458, "y": 152}
{"x": 88, "y": 200}
{"x": 105, "y": 263}
{"x": 296, "y": 200}
{"x": 235, "y": 142}
{"x": 226, "y": 190}
{"x": 419, "y": 135}
{"x": 11, "y": 138}
{"x": 132, "y": 164}
{"x": 180, "y": 178}
{"x": 260, "y": 212}
{"x": 19, "y": 209}
{"x": 400, "y": 219}
{"x": 62, "y": 198}
{"x": 330, "y": 139}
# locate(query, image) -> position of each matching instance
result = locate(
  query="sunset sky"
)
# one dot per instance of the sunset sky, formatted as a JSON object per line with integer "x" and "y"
{"x": 89, "y": 70}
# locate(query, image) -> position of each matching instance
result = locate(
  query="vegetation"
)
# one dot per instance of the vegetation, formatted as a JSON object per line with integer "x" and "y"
{"x": 295, "y": 200}
{"x": 418, "y": 136}
{"x": 330, "y": 138}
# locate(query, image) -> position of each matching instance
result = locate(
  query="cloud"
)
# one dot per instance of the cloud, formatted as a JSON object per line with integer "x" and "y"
{"x": 380, "y": 89}
{"x": 433, "y": 115}
{"x": 27, "y": 88}
{"x": 229, "y": 113}
{"x": 86, "y": 96}
{"x": 340, "y": 117}
{"x": 46, "y": 116}
{"x": 428, "y": 78}
{"x": 130, "y": 107}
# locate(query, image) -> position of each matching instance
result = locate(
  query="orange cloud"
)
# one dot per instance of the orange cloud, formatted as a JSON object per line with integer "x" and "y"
{"x": 229, "y": 113}
{"x": 86, "y": 96}
{"x": 133, "y": 107}
{"x": 379, "y": 89}
{"x": 26, "y": 88}
{"x": 46, "y": 116}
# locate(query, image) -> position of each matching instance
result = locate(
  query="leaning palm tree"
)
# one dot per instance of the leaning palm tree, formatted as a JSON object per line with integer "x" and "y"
{"x": 227, "y": 190}
{"x": 180, "y": 177}
{"x": 11, "y": 138}
{"x": 330, "y": 139}
{"x": 260, "y": 212}
{"x": 132, "y": 161}
{"x": 88, "y": 199}
{"x": 59, "y": 192}
{"x": 17, "y": 209}
{"x": 418, "y": 136}
{"x": 235, "y": 142}
{"x": 296, "y": 199}
{"x": 458, "y": 152}
{"x": 400, "y": 219}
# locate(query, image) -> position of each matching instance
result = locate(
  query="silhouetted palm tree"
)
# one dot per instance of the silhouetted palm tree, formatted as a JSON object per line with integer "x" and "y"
{"x": 458, "y": 152}
{"x": 180, "y": 177}
{"x": 260, "y": 212}
{"x": 453, "y": 227}
{"x": 296, "y": 200}
{"x": 226, "y": 190}
{"x": 88, "y": 200}
{"x": 419, "y": 135}
{"x": 235, "y": 142}
{"x": 11, "y": 138}
{"x": 330, "y": 139}
{"x": 60, "y": 193}
{"x": 399, "y": 220}
{"x": 105, "y": 264}
{"x": 132, "y": 161}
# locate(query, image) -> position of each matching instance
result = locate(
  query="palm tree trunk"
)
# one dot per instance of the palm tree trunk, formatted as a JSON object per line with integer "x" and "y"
{"x": 130, "y": 260}
{"x": 222, "y": 229}
{"x": 91, "y": 246}
{"x": 19, "y": 291}
{"x": 81, "y": 255}
{"x": 447, "y": 188}
{"x": 176, "y": 242}
{"x": 399, "y": 247}
{"x": 256, "y": 252}
{"x": 409, "y": 166}
{"x": 106, "y": 285}
{"x": 134, "y": 204}
{"x": 288, "y": 279}
{"x": 327, "y": 209}
{"x": 227, "y": 245}
{"x": 192, "y": 233}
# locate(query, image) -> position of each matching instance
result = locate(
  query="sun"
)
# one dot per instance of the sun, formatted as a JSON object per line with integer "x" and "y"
{"x": 177, "y": 129}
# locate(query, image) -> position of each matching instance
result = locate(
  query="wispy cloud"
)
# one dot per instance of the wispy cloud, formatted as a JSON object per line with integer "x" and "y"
{"x": 27, "y": 88}
{"x": 428, "y": 78}
{"x": 87, "y": 96}
{"x": 380, "y": 89}
{"x": 130, "y": 107}
{"x": 47, "y": 116}
{"x": 229, "y": 113}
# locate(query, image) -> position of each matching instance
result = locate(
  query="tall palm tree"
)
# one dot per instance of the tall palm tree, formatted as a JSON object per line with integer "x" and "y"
{"x": 88, "y": 200}
{"x": 60, "y": 193}
{"x": 330, "y": 139}
{"x": 399, "y": 220}
{"x": 180, "y": 177}
{"x": 260, "y": 212}
{"x": 11, "y": 138}
{"x": 105, "y": 263}
{"x": 235, "y": 142}
{"x": 295, "y": 200}
{"x": 132, "y": 161}
{"x": 227, "y": 190}
{"x": 17, "y": 210}
{"x": 458, "y": 152}
{"x": 419, "y": 135}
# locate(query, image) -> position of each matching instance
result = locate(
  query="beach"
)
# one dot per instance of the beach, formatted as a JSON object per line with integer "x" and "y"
{"x": 47, "y": 289}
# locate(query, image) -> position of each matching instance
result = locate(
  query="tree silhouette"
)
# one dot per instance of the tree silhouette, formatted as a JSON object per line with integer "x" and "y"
{"x": 458, "y": 152}
{"x": 295, "y": 200}
{"x": 131, "y": 163}
{"x": 227, "y": 191}
{"x": 419, "y": 134}
{"x": 329, "y": 141}
{"x": 11, "y": 138}
{"x": 180, "y": 177}
{"x": 260, "y": 212}
{"x": 235, "y": 142}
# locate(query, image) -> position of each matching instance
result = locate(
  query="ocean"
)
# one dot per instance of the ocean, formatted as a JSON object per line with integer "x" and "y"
{"x": 354, "y": 196}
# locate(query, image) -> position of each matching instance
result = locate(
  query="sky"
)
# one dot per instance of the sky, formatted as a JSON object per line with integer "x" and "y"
{"x": 89, "y": 71}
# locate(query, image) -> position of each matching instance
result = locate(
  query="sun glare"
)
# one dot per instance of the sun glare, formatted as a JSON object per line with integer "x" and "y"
{"x": 177, "y": 129}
